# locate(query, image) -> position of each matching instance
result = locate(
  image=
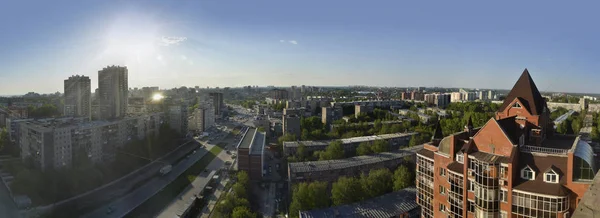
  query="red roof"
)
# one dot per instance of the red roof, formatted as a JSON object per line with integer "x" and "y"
{"x": 529, "y": 95}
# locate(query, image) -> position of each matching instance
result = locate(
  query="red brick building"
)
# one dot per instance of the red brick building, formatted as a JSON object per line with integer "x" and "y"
{"x": 513, "y": 166}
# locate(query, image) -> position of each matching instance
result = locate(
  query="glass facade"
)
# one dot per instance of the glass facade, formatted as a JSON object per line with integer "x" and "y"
{"x": 486, "y": 186}
{"x": 531, "y": 205}
{"x": 425, "y": 186}
{"x": 455, "y": 195}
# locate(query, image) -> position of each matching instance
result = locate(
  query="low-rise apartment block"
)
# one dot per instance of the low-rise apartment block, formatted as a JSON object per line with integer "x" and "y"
{"x": 395, "y": 140}
{"x": 331, "y": 170}
{"x": 53, "y": 143}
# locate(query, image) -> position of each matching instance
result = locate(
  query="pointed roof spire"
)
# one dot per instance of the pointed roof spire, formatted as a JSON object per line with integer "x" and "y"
{"x": 469, "y": 123}
{"x": 437, "y": 132}
{"x": 527, "y": 91}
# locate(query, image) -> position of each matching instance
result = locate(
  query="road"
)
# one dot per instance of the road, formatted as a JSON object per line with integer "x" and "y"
{"x": 126, "y": 204}
{"x": 114, "y": 189}
{"x": 179, "y": 204}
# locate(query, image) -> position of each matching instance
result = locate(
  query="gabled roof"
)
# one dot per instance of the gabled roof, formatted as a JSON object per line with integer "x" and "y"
{"x": 530, "y": 96}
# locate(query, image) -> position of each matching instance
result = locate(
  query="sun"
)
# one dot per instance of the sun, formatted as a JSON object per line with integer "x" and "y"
{"x": 157, "y": 97}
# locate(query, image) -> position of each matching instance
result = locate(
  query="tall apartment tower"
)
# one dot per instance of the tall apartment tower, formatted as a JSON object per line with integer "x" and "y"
{"x": 217, "y": 101}
{"x": 513, "y": 166}
{"x": 78, "y": 97}
{"x": 112, "y": 92}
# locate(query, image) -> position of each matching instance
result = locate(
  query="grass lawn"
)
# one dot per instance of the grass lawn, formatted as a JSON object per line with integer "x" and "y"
{"x": 159, "y": 201}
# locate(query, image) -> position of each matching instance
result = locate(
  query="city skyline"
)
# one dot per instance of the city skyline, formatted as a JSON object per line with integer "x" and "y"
{"x": 173, "y": 44}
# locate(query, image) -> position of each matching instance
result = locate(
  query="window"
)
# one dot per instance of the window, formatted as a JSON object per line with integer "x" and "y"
{"x": 503, "y": 171}
{"x": 503, "y": 214}
{"x": 471, "y": 206}
{"x": 442, "y": 172}
{"x": 442, "y": 190}
{"x": 442, "y": 207}
{"x": 517, "y": 105}
{"x": 471, "y": 186}
{"x": 551, "y": 177}
{"x": 459, "y": 158}
{"x": 527, "y": 173}
{"x": 503, "y": 194}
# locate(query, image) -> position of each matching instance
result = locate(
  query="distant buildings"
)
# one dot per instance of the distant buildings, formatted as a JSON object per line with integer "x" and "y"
{"x": 78, "y": 97}
{"x": 112, "y": 92}
{"x": 217, "y": 102}
{"x": 442, "y": 100}
{"x": 279, "y": 94}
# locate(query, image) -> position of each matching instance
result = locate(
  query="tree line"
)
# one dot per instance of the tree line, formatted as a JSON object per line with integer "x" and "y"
{"x": 346, "y": 190}
{"x": 236, "y": 203}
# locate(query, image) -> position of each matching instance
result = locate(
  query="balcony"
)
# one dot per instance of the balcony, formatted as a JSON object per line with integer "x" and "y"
{"x": 528, "y": 148}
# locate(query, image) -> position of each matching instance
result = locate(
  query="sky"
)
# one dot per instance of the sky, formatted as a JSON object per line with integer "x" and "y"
{"x": 471, "y": 44}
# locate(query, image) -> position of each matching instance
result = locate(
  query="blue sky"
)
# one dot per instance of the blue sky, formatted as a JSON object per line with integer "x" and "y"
{"x": 471, "y": 44}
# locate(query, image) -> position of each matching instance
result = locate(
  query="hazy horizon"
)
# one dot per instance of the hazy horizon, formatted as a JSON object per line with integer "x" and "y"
{"x": 334, "y": 43}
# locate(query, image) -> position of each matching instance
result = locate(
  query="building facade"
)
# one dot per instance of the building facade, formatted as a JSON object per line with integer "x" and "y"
{"x": 56, "y": 143}
{"x": 291, "y": 125}
{"x": 217, "y": 102}
{"x": 112, "y": 92}
{"x": 513, "y": 166}
{"x": 78, "y": 93}
{"x": 250, "y": 152}
{"x": 178, "y": 118}
{"x": 202, "y": 118}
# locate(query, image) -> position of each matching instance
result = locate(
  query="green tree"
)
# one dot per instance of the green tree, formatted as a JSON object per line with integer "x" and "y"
{"x": 242, "y": 212}
{"x": 403, "y": 178}
{"x": 301, "y": 153}
{"x": 378, "y": 182}
{"x": 307, "y": 196}
{"x": 364, "y": 148}
{"x": 239, "y": 190}
{"x": 380, "y": 146}
{"x": 333, "y": 151}
{"x": 346, "y": 190}
{"x": 286, "y": 138}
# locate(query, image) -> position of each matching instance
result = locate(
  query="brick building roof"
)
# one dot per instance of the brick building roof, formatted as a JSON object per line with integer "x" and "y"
{"x": 528, "y": 94}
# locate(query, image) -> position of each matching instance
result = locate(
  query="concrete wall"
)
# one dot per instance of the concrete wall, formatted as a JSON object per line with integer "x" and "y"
{"x": 568, "y": 106}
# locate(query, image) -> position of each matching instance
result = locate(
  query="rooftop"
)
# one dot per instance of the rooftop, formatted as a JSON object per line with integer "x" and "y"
{"x": 527, "y": 92}
{"x": 247, "y": 140}
{"x": 349, "y": 140}
{"x": 258, "y": 143}
{"x": 384, "y": 206}
{"x": 312, "y": 166}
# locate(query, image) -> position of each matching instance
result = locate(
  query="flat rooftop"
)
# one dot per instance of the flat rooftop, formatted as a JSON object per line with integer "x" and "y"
{"x": 350, "y": 140}
{"x": 315, "y": 166}
{"x": 384, "y": 206}
{"x": 258, "y": 144}
{"x": 247, "y": 140}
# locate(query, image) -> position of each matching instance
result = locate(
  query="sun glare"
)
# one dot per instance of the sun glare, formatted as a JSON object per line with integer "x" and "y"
{"x": 157, "y": 97}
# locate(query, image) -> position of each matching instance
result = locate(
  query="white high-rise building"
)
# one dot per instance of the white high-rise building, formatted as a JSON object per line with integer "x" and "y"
{"x": 455, "y": 97}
